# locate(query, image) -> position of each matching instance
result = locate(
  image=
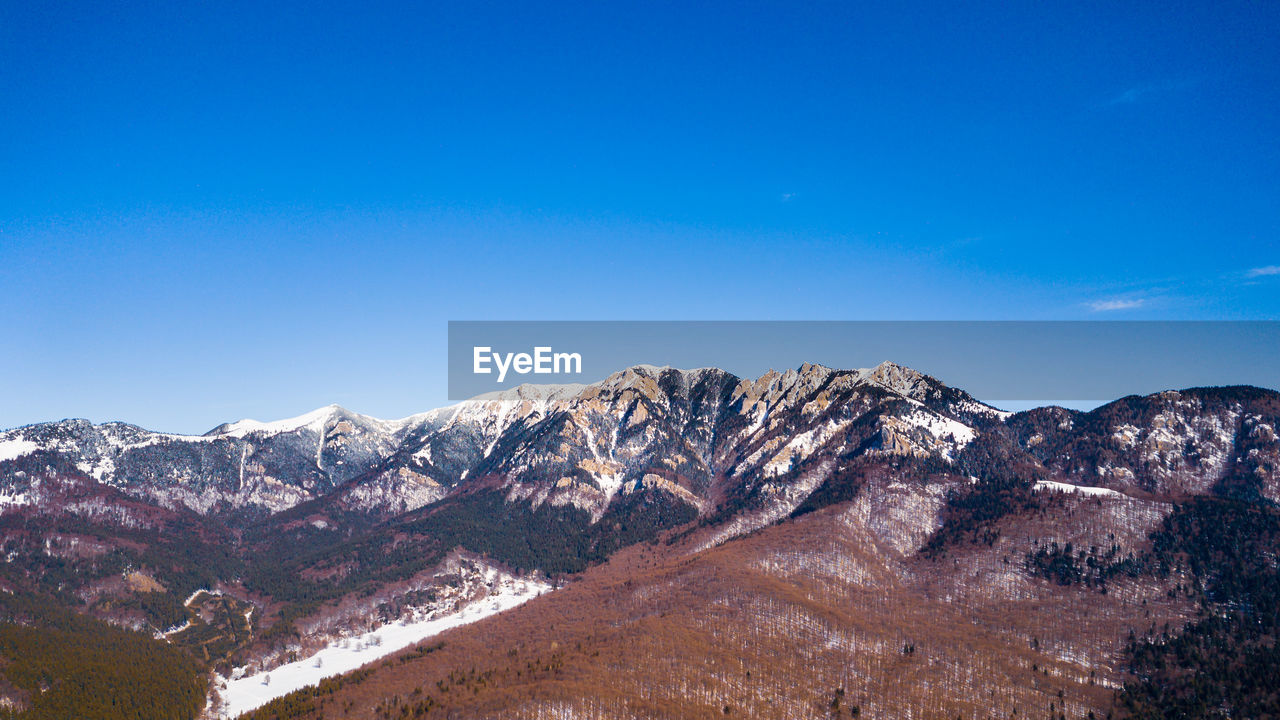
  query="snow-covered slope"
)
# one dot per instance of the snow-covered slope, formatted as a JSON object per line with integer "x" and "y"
{"x": 246, "y": 689}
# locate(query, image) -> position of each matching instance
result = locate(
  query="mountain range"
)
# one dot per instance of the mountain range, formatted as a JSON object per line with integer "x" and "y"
{"x": 815, "y": 542}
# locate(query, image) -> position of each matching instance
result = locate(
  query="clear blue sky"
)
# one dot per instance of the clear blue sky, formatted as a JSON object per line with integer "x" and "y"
{"x": 217, "y": 210}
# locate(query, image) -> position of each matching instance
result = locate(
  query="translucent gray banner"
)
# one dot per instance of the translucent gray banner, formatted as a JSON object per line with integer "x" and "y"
{"x": 1009, "y": 362}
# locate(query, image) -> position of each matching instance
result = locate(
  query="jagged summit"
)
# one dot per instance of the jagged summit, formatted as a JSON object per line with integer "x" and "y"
{"x": 687, "y": 433}
{"x": 530, "y": 392}
{"x": 631, "y": 431}
{"x": 902, "y": 380}
{"x": 887, "y": 375}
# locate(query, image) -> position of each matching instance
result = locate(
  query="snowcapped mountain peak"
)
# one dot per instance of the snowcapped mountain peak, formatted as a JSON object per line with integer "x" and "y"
{"x": 314, "y": 420}
{"x": 900, "y": 379}
{"x": 529, "y": 392}
{"x": 810, "y": 375}
{"x": 634, "y": 374}
{"x": 814, "y": 369}
{"x": 904, "y": 381}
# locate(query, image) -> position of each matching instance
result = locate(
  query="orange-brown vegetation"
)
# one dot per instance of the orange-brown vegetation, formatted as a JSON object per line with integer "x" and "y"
{"x": 835, "y": 613}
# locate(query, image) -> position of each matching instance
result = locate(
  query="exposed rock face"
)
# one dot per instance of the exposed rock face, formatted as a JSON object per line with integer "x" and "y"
{"x": 579, "y": 445}
{"x": 697, "y": 436}
{"x": 1193, "y": 442}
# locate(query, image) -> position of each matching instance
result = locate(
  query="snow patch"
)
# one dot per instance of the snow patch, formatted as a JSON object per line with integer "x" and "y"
{"x": 1055, "y": 486}
{"x": 801, "y": 447}
{"x": 16, "y": 448}
{"x": 248, "y": 692}
{"x": 941, "y": 427}
{"x": 13, "y": 500}
{"x": 785, "y": 499}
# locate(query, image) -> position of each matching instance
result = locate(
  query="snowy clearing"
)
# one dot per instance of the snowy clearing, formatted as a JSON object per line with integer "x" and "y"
{"x": 1082, "y": 489}
{"x": 247, "y": 693}
{"x": 16, "y": 448}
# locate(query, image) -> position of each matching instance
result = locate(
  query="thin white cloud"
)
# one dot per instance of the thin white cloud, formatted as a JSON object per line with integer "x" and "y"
{"x": 1151, "y": 91}
{"x": 1263, "y": 271}
{"x": 1132, "y": 95}
{"x": 1112, "y": 305}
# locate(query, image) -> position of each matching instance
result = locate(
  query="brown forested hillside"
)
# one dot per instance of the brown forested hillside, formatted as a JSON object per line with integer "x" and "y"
{"x": 835, "y": 613}
{"x": 806, "y": 543}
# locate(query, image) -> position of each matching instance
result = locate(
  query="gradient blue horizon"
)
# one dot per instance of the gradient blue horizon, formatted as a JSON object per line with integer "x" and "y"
{"x": 215, "y": 211}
